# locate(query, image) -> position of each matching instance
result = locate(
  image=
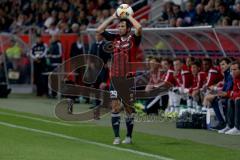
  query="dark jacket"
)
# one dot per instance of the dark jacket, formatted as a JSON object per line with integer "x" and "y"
{"x": 228, "y": 81}
{"x": 99, "y": 49}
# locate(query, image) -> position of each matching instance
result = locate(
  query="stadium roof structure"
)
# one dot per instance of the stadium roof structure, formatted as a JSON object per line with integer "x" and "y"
{"x": 204, "y": 41}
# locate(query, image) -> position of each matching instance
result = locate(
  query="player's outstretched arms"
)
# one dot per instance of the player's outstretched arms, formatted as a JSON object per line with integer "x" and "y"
{"x": 136, "y": 25}
{"x": 104, "y": 25}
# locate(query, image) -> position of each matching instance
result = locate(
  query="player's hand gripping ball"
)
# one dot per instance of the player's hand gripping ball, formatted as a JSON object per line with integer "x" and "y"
{"x": 124, "y": 10}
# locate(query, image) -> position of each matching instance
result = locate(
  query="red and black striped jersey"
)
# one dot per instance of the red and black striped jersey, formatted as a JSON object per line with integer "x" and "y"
{"x": 124, "y": 51}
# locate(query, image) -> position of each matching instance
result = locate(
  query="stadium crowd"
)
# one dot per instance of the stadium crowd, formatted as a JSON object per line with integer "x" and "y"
{"x": 202, "y": 12}
{"x": 72, "y": 16}
{"x": 55, "y": 16}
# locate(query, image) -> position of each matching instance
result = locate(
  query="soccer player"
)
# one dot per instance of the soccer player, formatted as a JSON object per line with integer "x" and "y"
{"x": 125, "y": 46}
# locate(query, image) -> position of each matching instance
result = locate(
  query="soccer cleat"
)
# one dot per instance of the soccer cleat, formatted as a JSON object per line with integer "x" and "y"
{"x": 127, "y": 140}
{"x": 116, "y": 141}
{"x": 233, "y": 131}
{"x": 224, "y": 129}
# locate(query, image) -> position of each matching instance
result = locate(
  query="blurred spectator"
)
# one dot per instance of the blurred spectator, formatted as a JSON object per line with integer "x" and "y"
{"x": 18, "y": 63}
{"x": 18, "y": 22}
{"x": 4, "y": 90}
{"x": 82, "y": 20}
{"x": 210, "y": 6}
{"x": 177, "y": 11}
{"x": 54, "y": 55}
{"x": 229, "y": 2}
{"x": 93, "y": 17}
{"x": 200, "y": 17}
{"x": 235, "y": 23}
{"x": 74, "y": 28}
{"x": 179, "y": 22}
{"x": 38, "y": 54}
{"x": 105, "y": 13}
{"x": 189, "y": 14}
{"x": 61, "y": 15}
{"x": 49, "y": 19}
{"x": 63, "y": 28}
{"x": 77, "y": 47}
{"x": 14, "y": 51}
{"x": 99, "y": 49}
{"x": 224, "y": 11}
{"x": 52, "y": 29}
{"x": 226, "y": 21}
{"x": 203, "y": 2}
{"x": 5, "y": 20}
{"x": 143, "y": 22}
{"x": 172, "y": 22}
{"x": 39, "y": 20}
{"x": 103, "y": 5}
{"x": 178, "y": 15}
{"x": 167, "y": 12}
{"x": 3, "y": 77}
{"x": 237, "y": 10}
{"x": 71, "y": 17}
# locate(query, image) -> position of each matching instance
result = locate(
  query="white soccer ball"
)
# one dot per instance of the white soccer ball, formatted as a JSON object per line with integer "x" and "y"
{"x": 124, "y": 10}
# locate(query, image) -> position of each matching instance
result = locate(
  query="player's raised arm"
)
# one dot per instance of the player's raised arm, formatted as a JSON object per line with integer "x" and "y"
{"x": 104, "y": 25}
{"x": 136, "y": 25}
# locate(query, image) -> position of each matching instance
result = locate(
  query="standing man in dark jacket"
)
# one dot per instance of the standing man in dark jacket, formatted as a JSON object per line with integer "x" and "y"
{"x": 54, "y": 53}
{"x": 54, "y": 57}
{"x": 38, "y": 54}
{"x": 77, "y": 47}
{"x": 99, "y": 49}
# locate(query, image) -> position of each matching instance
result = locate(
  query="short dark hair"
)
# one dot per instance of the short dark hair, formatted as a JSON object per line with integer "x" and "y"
{"x": 167, "y": 60}
{"x": 191, "y": 58}
{"x": 149, "y": 57}
{"x": 128, "y": 23}
{"x": 227, "y": 60}
{"x": 236, "y": 62}
{"x": 157, "y": 59}
{"x": 209, "y": 60}
{"x": 197, "y": 63}
{"x": 178, "y": 59}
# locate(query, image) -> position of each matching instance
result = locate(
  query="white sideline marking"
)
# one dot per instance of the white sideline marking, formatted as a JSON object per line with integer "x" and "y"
{"x": 85, "y": 141}
{"x": 37, "y": 119}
